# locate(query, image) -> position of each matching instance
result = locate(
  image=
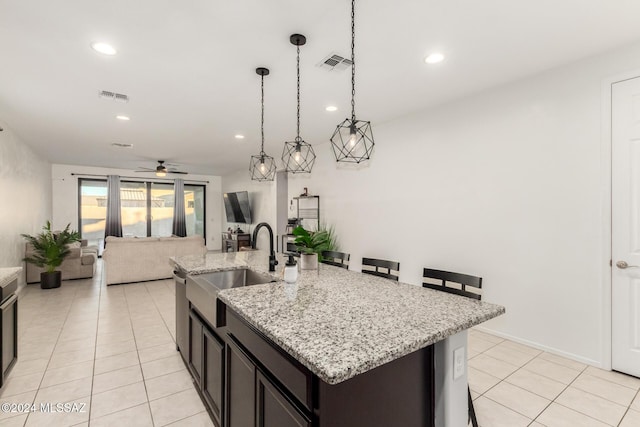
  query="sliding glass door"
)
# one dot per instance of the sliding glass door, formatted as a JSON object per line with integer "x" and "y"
{"x": 147, "y": 208}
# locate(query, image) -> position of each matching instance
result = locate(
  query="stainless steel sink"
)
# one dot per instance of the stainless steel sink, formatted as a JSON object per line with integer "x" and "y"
{"x": 202, "y": 289}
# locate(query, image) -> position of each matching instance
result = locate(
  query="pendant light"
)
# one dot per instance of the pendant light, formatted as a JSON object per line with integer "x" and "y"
{"x": 262, "y": 167}
{"x": 352, "y": 141}
{"x": 298, "y": 156}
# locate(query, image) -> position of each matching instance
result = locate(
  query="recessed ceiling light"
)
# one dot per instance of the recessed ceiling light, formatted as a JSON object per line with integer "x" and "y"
{"x": 238, "y": 136}
{"x": 125, "y": 118}
{"x": 121, "y": 145}
{"x": 331, "y": 108}
{"x": 434, "y": 58}
{"x": 103, "y": 48}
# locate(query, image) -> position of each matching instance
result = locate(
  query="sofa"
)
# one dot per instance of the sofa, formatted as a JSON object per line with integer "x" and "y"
{"x": 79, "y": 264}
{"x": 138, "y": 259}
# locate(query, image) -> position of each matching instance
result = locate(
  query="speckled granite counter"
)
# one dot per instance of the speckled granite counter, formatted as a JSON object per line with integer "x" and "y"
{"x": 341, "y": 323}
{"x": 7, "y": 274}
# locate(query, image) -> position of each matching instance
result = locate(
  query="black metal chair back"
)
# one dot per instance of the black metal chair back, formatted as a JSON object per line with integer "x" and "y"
{"x": 464, "y": 281}
{"x": 381, "y": 268}
{"x": 338, "y": 259}
{"x": 454, "y": 283}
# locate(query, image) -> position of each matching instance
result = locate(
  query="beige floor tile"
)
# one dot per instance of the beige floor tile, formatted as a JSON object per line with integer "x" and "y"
{"x": 492, "y": 366}
{"x": 517, "y": 399}
{"x": 153, "y": 341}
{"x": 75, "y": 345}
{"x": 616, "y": 377}
{"x": 485, "y": 336}
{"x": 59, "y": 360}
{"x": 201, "y": 419}
{"x": 158, "y": 352}
{"x": 20, "y": 385}
{"x": 562, "y": 361}
{"x": 17, "y": 421}
{"x": 115, "y": 337}
{"x": 478, "y": 345}
{"x": 535, "y": 383}
{"x": 67, "y": 373}
{"x": 166, "y": 385}
{"x": 138, "y": 416}
{"x": 108, "y": 350}
{"x": 611, "y": 391}
{"x": 636, "y": 403}
{"x": 552, "y": 370}
{"x": 79, "y": 414}
{"x": 474, "y": 395}
{"x": 480, "y": 381}
{"x": 521, "y": 347}
{"x": 536, "y": 424}
{"x": 560, "y": 416}
{"x": 592, "y": 405}
{"x": 118, "y": 399}
{"x": 18, "y": 399}
{"x": 119, "y": 361}
{"x": 68, "y": 391}
{"x": 492, "y": 414}
{"x": 162, "y": 366}
{"x": 631, "y": 419}
{"x": 509, "y": 355}
{"x": 25, "y": 367}
{"x": 176, "y": 407}
{"x": 117, "y": 378}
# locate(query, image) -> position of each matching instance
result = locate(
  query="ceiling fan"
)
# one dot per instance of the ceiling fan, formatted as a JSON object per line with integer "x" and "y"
{"x": 161, "y": 169}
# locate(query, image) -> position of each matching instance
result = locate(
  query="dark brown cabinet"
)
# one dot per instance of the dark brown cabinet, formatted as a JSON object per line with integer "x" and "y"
{"x": 9, "y": 335}
{"x": 241, "y": 388}
{"x": 194, "y": 359}
{"x": 213, "y": 372}
{"x": 273, "y": 409}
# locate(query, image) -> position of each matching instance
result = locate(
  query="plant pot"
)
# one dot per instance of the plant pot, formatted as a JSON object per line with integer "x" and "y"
{"x": 308, "y": 261}
{"x": 50, "y": 280}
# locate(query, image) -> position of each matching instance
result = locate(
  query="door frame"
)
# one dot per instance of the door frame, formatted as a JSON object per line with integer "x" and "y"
{"x": 607, "y": 207}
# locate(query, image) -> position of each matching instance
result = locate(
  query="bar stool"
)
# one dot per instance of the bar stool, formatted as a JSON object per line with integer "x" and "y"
{"x": 461, "y": 281}
{"x": 381, "y": 264}
{"x": 338, "y": 259}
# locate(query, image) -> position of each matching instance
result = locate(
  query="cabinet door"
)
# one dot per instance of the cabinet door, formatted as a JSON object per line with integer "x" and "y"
{"x": 213, "y": 373}
{"x": 273, "y": 409}
{"x": 240, "y": 387}
{"x": 182, "y": 319}
{"x": 195, "y": 347}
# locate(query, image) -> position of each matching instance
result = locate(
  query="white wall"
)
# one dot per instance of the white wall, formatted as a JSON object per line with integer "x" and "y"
{"x": 25, "y": 188}
{"x": 508, "y": 185}
{"x": 262, "y": 199}
{"x": 65, "y": 197}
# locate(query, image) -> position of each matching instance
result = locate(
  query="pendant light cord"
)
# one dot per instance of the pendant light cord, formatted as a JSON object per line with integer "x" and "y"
{"x": 262, "y": 117}
{"x": 298, "y": 69}
{"x": 353, "y": 61}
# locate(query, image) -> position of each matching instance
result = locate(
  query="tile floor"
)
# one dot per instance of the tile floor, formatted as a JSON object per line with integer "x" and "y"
{"x": 112, "y": 349}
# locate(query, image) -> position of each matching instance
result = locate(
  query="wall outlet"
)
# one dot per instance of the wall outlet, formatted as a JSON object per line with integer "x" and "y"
{"x": 458, "y": 363}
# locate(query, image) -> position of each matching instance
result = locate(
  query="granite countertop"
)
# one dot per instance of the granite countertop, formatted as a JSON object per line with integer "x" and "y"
{"x": 7, "y": 274}
{"x": 341, "y": 323}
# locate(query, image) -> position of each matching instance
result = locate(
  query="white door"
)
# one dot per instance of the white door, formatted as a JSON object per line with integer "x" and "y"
{"x": 625, "y": 225}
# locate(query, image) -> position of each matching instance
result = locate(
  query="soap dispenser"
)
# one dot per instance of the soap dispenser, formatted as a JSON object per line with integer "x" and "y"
{"x": 291, "y": 270}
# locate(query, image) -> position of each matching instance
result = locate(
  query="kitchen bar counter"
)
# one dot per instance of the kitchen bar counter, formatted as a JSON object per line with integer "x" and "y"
{"x": 340, "y": 323}
{"x": 8, "y": 274}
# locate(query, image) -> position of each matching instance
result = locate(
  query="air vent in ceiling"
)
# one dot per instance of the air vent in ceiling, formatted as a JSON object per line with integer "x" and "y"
{"x": 112, "y": 95}
{"x": 335, "y": 62}
{"x": 121, "y": 145}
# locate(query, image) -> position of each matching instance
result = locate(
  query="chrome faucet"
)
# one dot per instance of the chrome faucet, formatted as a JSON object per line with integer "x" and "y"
{"x": 272, "y": 254}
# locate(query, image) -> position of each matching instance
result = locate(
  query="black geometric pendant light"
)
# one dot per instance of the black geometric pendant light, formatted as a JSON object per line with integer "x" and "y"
{"x": 262, "y": 167}
{"x": 298, "y": 156}
{"x": 352, "y": 141}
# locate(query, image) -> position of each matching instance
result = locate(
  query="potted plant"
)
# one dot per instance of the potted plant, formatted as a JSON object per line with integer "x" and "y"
{"x": 49, "y": 250}
{"x": 311, "y": 244}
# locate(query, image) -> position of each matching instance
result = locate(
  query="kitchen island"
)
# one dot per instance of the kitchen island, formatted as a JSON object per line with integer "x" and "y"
{"x": 338, "y": 348}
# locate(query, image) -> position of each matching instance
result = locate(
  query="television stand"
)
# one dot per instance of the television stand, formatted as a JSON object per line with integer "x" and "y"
{"x": 234, "y": 241}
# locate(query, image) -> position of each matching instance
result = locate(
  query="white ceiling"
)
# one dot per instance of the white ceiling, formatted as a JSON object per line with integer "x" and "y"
{"x": 188, "y": 68}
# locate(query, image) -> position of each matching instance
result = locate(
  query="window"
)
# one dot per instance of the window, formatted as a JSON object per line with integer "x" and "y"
{"x": 147, "y": 209}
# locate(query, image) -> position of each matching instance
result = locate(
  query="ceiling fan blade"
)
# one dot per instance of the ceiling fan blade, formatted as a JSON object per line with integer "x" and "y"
{"x": 178, "y": 172}
{"x": 145, "y": 169}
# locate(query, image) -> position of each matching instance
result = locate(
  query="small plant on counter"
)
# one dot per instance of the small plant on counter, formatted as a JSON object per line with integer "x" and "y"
{"x": 315, "y": 242}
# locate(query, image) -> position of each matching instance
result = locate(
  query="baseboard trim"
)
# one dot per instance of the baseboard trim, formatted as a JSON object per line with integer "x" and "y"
{"x": 542, "y": 347}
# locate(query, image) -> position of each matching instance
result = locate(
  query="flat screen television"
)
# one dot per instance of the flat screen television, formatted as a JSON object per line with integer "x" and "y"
{"x": 236, "y": 205}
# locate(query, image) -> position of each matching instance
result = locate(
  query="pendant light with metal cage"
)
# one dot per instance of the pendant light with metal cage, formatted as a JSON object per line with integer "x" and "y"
{"x": 262, "y": 167}
{"x": 352, "y": 141}
{"x": 298, "y": 156}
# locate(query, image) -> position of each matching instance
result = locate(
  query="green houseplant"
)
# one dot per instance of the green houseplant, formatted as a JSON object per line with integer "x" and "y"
{"x": 49, "y": 250}
{"x": 311, "y": 244}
